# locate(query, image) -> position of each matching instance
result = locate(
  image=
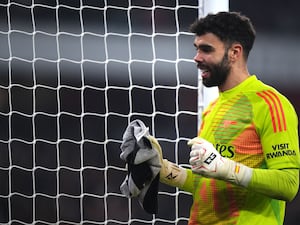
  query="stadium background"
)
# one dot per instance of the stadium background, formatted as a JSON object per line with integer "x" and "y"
{"x": 274, "y": 59}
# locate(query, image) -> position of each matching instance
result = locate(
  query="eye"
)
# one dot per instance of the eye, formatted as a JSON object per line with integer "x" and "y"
{"x": 206, "y": 48}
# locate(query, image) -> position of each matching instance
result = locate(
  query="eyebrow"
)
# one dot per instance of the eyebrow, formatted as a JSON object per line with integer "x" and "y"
{"x": 205, "y": 47}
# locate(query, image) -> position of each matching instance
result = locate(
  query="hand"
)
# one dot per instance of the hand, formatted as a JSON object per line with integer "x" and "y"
{"x": 208, "y": 162}
{"x": 205, "y": 159}
{"x": 170, "y": 173}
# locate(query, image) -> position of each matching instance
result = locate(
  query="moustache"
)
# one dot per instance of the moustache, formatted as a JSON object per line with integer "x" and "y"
{"x": 202, "y": 66}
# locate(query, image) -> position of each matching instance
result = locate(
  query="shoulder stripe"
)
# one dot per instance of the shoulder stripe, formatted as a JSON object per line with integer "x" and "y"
{"x": 270, "y": 109}
{"x": 276, "y": 110}
{"x": 282, "y": 116}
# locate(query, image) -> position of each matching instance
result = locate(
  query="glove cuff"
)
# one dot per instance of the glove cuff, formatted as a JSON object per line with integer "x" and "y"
{"x": 238, "y": 173}
{"x": 172, "y": 175}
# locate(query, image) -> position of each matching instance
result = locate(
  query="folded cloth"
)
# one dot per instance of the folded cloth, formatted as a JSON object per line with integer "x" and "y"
{"x": 143, "y": 166}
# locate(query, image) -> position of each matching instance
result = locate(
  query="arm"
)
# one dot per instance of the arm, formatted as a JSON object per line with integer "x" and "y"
{"x": 275, "y": 183}
{"x": 279, "y": 184}
{"x": 170, "y": 173}
{"x": 281, "y": 179}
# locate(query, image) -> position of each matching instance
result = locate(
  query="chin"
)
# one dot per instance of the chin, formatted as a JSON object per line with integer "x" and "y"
{"x": 207, "y": 83}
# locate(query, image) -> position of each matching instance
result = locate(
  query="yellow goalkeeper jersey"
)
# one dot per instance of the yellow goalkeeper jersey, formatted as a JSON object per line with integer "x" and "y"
{"x": 254, "y": 125}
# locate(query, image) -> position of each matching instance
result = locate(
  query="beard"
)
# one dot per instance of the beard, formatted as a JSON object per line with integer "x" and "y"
{"x": 218, "y": 73}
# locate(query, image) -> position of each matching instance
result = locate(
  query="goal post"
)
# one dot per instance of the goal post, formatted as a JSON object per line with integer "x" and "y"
{"x": 206, "y": 95}
{"x": 73, "y": 74}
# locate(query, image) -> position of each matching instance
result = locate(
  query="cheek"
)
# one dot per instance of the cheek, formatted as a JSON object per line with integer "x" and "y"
{"x": 220, "y": 55}
{"x": 219, "y": 58}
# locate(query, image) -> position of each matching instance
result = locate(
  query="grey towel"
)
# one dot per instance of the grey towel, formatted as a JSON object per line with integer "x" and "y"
{"x": 143, "y": 166}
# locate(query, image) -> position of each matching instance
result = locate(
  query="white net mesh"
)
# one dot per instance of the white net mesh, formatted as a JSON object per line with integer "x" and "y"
{"x": 73, "y": 74}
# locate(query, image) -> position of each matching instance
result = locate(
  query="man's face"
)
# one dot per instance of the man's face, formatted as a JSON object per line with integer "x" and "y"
{"x": 212, "y": 60}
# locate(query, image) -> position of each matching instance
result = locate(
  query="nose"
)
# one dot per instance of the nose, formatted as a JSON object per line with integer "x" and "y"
{"x": 198, "y": 57}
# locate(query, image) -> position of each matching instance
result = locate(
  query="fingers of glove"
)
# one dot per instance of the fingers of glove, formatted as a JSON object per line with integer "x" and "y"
{"x": 196, "y": 157}
{"x": 198, "y": 142}
{"x": 194, "y": 161}
{"x": 155, "y": 144}
{"x": 153, "y": 141}
{"x": 197, "y": 151}
{"x": 195, "y": 140}
{"x": 207, "y": 148}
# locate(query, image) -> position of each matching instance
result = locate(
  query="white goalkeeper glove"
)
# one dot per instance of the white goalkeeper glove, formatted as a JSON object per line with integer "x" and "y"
{"x": 170, "y": 173}
{"x": 207, "y": 161}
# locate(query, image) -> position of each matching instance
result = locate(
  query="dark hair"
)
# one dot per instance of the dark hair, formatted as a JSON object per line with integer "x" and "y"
{"x": 230, "y": 27}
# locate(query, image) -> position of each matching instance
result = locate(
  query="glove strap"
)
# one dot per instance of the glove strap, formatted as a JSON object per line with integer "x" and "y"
{"x": 172, "y": 175}
{"x": 238, "y": 173}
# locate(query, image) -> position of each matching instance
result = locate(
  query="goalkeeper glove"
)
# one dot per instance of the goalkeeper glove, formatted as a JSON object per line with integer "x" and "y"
{"x": 208, "y": 162}
{"x": 170, "y": 173}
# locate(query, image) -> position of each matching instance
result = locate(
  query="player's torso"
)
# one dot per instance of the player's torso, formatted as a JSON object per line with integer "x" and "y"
{"x": 229, "y": 125}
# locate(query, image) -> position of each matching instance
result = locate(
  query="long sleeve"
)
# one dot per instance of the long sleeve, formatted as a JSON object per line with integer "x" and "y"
{"x": 279, "y": 184}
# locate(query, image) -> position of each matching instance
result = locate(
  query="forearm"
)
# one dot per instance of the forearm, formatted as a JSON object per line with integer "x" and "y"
{"x": 189, "y": 185}
{"x": 176, "y": 176}
{"x": 172, "y": 174}
{"x": 279, "y": 184}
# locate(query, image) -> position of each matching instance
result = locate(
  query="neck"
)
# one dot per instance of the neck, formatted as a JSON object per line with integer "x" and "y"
{"x": 235, "y": 77}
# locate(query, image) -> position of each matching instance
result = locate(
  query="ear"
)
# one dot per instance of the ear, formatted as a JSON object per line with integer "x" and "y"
{"x": 235, "y": 52}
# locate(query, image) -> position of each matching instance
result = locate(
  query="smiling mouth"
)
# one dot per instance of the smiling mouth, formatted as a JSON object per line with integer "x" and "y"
{"x": 204, "y": 70}
{"x": 204, "y": 73}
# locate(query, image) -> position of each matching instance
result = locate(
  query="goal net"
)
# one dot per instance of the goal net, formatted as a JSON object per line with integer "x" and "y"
{"x": 73, "y": 74}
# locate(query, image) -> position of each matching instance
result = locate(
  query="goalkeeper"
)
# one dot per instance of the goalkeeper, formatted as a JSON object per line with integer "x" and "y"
{"x": 245, "y": 160}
